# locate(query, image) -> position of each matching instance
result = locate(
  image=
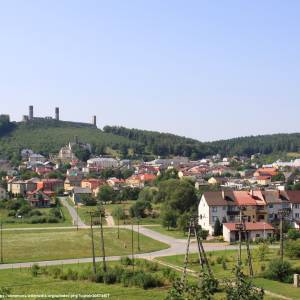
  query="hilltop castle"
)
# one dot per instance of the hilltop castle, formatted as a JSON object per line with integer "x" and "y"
{"x": 31, "y": 118}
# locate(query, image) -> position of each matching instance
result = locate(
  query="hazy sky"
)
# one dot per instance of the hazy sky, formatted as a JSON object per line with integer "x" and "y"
{"x": 203, "y": 69}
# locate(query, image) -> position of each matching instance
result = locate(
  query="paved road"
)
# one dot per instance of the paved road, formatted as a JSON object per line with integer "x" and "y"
{"x": 75, "y": 217}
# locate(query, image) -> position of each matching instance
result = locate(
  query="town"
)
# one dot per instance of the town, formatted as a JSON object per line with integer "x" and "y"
{"x": 235, "y": 200}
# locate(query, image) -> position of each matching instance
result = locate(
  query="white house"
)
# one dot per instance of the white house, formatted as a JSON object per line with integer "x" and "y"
{"x": 216, "y": 205}
{"x": 103, "y": 162}
{"x": 255, "y": 230}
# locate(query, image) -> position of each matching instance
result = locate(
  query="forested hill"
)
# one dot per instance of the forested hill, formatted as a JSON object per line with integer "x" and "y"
{"x": 48, "y": 137}
{"x": 265, "y": 144}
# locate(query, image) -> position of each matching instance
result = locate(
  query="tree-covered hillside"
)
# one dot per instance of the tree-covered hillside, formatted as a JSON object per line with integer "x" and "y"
{"x": 48, "y": 136}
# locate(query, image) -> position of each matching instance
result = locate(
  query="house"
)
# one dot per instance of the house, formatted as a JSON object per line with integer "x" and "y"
{"x": 256, "y": 230}
{"x": 71, "y": 182}
{"x": 115, "y": 182}
{"x": 36, "y": 158}
{"x": 294, "y": 197}
{"x": 102, "y": 163}
{"x": 216, "y": 181}
{"x": 39, "y": 199}
{"x": 276, "y": 200}
{"x": 78, "y": 193}
{"x": 270, "y": 172}
{"x": 21, "y": 187}
{"x": 263, "y": 180}
{"x": 93, "y": 184}
{"x": 54, "y": 185}
{"x": 216, "y": 205}
{"x": 139, "y": 180}
{"x": 3, "y": 194}
{"x": 226, "y": 205}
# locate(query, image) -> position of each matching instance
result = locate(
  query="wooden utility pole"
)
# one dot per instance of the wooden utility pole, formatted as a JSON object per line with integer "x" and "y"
{"x": 194, "y": 227}
{"x": 138, "y": 227}
{"x": 248, "y": 247}
{"x": 1, "y": 240}
{"x": 102, "y": 242}
{"x": 282, "y": 213}
{"x": 132, "y": 245}
{"x": 118, "y": 226}
{"x": 77, "y": 216}
{"x": 93, "y": 244}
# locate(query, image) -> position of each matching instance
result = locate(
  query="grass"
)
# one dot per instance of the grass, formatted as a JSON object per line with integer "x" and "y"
{"x": 175, "y": 233}
{"x": 21, "y": 282}
{"x": 38, "y": 245}
{"x": 230, "y": 257}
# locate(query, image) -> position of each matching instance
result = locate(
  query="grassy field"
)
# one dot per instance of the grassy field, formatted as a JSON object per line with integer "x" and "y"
{"x": 22, "y": 223}
{"x": 175, "y": 233}
{"x": 38, "y": 245}
{"x": 230, "y": 258}
{"x": 22, "y": 282}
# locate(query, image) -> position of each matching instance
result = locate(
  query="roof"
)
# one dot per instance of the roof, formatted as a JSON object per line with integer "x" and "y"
{"x": 80, "y": 190}
{"x": 275, "y": 197}
{"x": 244, "y": 198}
{"x": 294, "y": 196}
{"x": 250, "y": 226}
{"x": 216, "y": 198}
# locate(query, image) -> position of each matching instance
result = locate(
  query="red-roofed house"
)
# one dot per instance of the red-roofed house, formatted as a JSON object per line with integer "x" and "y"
{"x": 255, "y": 230}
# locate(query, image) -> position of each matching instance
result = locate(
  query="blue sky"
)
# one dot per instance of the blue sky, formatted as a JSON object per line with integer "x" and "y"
{"x": 203, "y": 69}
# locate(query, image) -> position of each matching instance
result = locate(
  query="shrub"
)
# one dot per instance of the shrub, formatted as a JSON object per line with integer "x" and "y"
{"x": 224, "y": 265}
{"x": 293, "y": 234}
{"x": 126, "y": 261}
{"x": 278, "y": 270}
{"x": 55, "y": 272}
{"x": 293, "y": 249}
{"x": 35, "y": 270}
{"x": 109, "y": 277}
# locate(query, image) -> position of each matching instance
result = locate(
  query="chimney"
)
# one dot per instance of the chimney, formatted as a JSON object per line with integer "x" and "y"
{"x": 57, "y": 113}
{"x": 31, "y": 112}
{"x": 95, "y": 121}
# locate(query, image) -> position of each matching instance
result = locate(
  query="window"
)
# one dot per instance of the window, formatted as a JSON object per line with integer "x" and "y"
{"x": 200, "y": 217}
{"x": 224, "y": 207}
{"x": 214, "y": 218}
{"x": 297, "y": 215}
{"x": 257, "y": 235}
{"x": 214, "y": 209}
{"x": 271, "y": 216}
{"x": 271, "y": 206}
{"x": 296, "y": 205}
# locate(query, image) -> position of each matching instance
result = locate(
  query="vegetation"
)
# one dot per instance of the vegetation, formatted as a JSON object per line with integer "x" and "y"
{"x": 18, "y": 211}
{"x": 49, "y": 136}
{"x": 38, "y": 245}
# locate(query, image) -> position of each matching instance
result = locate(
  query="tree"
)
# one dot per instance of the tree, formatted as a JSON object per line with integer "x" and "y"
{"x": 293, "y": 234}
{"x": 279, "y": 270}
{"x": 183, "y": 222}
{"x": 106, "y": 194}
{"x": 147, "y": 194}
{"x": 218, "y": 228}
{"x": 169, "y": 219}
{"x": 241, "y": 287}
{"x": 179, "y": 195}
{"x": 118, "y": 213}
{"x": 88, "y": 200}
{"x": 262, "y": 251}
{"x": 293, "y": 249}
{"x": 139, "y": 209}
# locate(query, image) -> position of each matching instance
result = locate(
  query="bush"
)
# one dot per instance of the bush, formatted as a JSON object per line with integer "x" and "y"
{"x": 293, "y": 234}
{"x": 278, "y": 270}
{"x": 56, "y": 272}
{"x": 35, "y": 270}
{"x": 126, "y": 261}
{"x": 293, "y": 249}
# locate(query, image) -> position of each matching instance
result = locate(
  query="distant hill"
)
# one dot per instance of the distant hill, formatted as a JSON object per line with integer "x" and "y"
{"x": 48, "y": 136}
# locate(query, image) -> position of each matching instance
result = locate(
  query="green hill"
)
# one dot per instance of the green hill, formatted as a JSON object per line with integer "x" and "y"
{"x": 48, "y": 136}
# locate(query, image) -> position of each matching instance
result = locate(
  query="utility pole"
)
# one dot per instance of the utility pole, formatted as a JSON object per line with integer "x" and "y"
{"x": 138, "y": 227}
{"x": 93, "y": 244}
{"x": 118, "y": 226}
{"x": 240, "y": 228}
{"x": 1, "y": 240}
{"x": 248, "y": 247}
{"x": 282, "y": 213}
{"x": 77, "y": 216}
{"x": 193, "y": 226}
{"x": 102, "y": 242}
{"x": 132, "y": 245}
